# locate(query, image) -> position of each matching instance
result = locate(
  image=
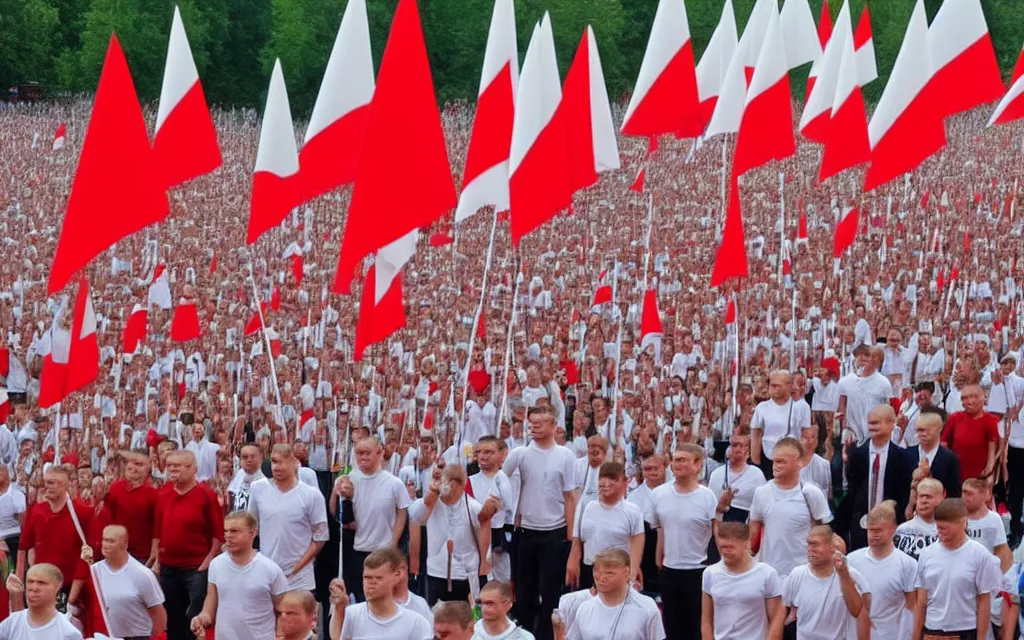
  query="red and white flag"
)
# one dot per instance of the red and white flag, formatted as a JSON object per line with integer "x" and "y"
{"x": 864, "y": 48}
{"x": 846, "y": 141}
{"x": 276, "y": 183}
{"x": 711, "y": 70}
{"x": 185, "y": 140}
{"x": 824, "y": 34}
{"x": 403, "y": 171}
{"x": 650, "y": 324}
{"x": 846, "y": 231}
{"x": 54, "y": 375}
{"x": 486, "y": 176}
{"x": 963, "y": 62}
{"x": 731, "y": 258}
{"x": 589, "y": 130}
{"x": 253, "y": 326}
{"x": 814, "y": 122}
{"x": 732, "y": 96}
{"x": 160, "y": 288}
{"x": 638, "y": 183}
{"x": 116, "y": 190}
{"x": 60, "y": 136}
{"x": 665, "y": 97}
{"x": 381, "y": 309}
{"x": 766, "y": 130}
{"x": 337, "y": 127}
{"x": 294, "y": 253}
{"x": 135, "y": 328}
{"x": 752, "y": 41}
{"x": 907, "y": 125}
{"x": 1011, "y": 107}
{"x": 730, "y": 311}
{"x": 1018, "y": 69}
{"x": 538, "y": 160}
{"x": 84, "y": 351}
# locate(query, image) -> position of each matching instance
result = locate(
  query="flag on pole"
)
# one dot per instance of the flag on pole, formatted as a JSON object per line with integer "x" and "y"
{"x": 60, "y": 136}
{"x": 711, "y": 70}
{"x": 84, "y": 350}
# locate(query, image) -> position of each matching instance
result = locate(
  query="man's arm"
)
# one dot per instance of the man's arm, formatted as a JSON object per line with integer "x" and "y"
{"x": 396, "y": 531}
{"x": 158, "y": 616}
{"x": 311, "y": 552}
{"x": 707, "y": 617}
{"x": 209, "y": 613}
{"x": 659, "y": 550}
{"x": 755, "y": 535}
{"x": 864, "y": 619}
{"x": 776, "y": 617}
{"x": 1010, "y": 612}
{"x": 215, "y": 546}
{"x": 572, "y": 565}
{"x": 919, "y": 613}
{"x": 990, "y": 462}
{"x": 570, "y": 511}
{"x": 1005, "y": 556}
{"x": 755, "y": 445}
{"x": 984, "y": 612}
{"x": 854, "y": 601}
{"x": 636, "y": 554}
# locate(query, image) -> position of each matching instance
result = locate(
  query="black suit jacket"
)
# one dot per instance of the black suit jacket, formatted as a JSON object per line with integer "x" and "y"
{"x": 895, "y": 486}
{"x": 945, "y": 468}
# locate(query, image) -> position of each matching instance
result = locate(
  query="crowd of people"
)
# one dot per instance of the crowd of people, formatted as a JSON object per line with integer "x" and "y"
{"x": 826, "y": 448}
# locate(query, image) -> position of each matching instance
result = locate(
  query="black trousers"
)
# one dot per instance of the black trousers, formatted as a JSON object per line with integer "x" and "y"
{"x": 1015, "y": 489}
{"x": 437, "y": 589}
{"x": 352, "y": 567}
{"x": 540, "y": 574}
{"x": 681, "y": 597}
{"x": 766, "y": 467}
{"x": 13, "y": 543}
{"x": 652, "y": 585}
{"x": 586, "y": 575}
{"x": 184, "y": 594}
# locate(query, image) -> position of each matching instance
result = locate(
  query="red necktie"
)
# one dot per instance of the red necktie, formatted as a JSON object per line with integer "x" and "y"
{"x": 876, "y": 468}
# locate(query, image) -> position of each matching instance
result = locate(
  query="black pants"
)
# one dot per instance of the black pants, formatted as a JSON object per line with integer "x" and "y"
{"x": 766, "y": 467}
{"x": 352, "y": 567}
{"x": 971, "y": 634}
{"x": 13, "y": 543}
{"x": 437, "y": 589}
{"x": 681, "y": 596}
{"x": 540, "y": 574}
{"x": 1015, "y": 489}
{"x": 586, "y": 575}
{"x": 184, "y": 594}
{"x": 648, "y": 565}
{"x": 789, "y": 631}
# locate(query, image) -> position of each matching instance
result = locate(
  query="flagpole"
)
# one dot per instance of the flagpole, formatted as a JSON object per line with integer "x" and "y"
{"x": 508, "y": 342}
{"x": 479, "y": 308}
{"x": 612, "y": 437}
{"x": 647, "y": 237}
{"x": 270, "y": 356}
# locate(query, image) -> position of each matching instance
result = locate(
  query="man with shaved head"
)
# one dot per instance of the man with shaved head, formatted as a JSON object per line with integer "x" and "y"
{"x": 973, "y": 434}
{"x": 878, "y": 470}
{"x": 132, "y": 594}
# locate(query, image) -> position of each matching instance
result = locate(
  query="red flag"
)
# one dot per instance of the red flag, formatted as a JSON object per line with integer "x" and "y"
{"x": 1018, "y": 69}
{"x": 824, "y": 24}
{"x": 53, "y": 379}
{"x": 116, "y": 191}
{"x": 966, "y": 72}
{"x": 638, "y": 184}
{"x": 967, "y": 241}
{"x": 5, "y": 362}
{"x": 60, "y": 136}
{"x": 801, "y": 232}
{"x": 134, "y": 332}
{"x": 731, "y": 259}
{"x": 185, "y": 323}
{"x": 253, "y": 326}
{"x": 650, "y": 324}
{"x": 864, "y": 48}
{"x": 846, "y": 141}
{"x": 213, "y": 264}
{"x": 481, "y": 326}
{"x": 185, "y": 141}
{"x": 440, "y": 239}
{"x": 404, "y": 168}
{"x": 275, "y": 299}
{"x": 602, "y": 295}
{"x": 84, "y": 351}
{"x": 730, "y": 311}
{"x": 846, "y": 231}
{"x": 378, "y": 321}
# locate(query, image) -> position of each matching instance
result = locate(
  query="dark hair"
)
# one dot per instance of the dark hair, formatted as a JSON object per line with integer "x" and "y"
{"x": 384, "y": 557}
{"x": 612, "y": 470}
{"x": 950, "y": 510}
{"x": 925, "y": 385}
{"x": 733, "y": 531}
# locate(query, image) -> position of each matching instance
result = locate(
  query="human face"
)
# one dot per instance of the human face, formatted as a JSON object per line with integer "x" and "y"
{"x": 972, "y": 400}
{"x": 451, "y": 631}
{"x": 39, "y": 591}
{"x": 610, "y": 489}
{"x": 379, "y": 582}
{"x": 809, "y": 438}
{"x": 732, "y": 551}
{"x": 250, "y": 459}
{"x": 928, "y": 432}
{"x": 596, "y": 454}
{"x": 293, "y": 620}
{"x": 114, "y": 542}
{"x": 610, "y": 577}
{"x": 180, "y": 470}
{"x": 974, "y": 499}
{"x": 487, "y": 456}
{"x": 198, "y": 431}
{"x": 1006, "y": 368}
{"x": 880, "y": 534}
{"x": 879, "y": 426}
{"x": 951, "y": 533}
{"x": 542, "y": 427}
{"x": 739, "y": 449}
{"x": 779, "y": 387}
{"x": 893, "y": 339}
{"x": 924, "y": 343}
{"x": 367, "y": 456}
{"x": 923, "y": 398}
{"x": 927, "y": 499}
{"x": 654, "y": 472}
{"x": 55, "y": 486}
{"x": 819, "y": 550}
{"x": 785, "y": 464}
{"x": 493, "y": 607}
{"x": 237, "y": 535}
{"x": 283, "y": 467}
{"x": 684, "y": 465}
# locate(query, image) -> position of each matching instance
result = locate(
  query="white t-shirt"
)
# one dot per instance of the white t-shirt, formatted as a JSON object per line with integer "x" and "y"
{"x": 643, "y": 496}
{"x": 777, "y": 420}
{"x": 914, "y": 536}
{"x": 739, "y": 599}
{"x": 450, "y": 521}
{"x": 636, "y": 618}
{"x": 826, "y": 396}
{"x": 569, "y": 604}
{"x": 988, "y": 531}
{"x": 12, "y": 503}
{"x": 586, "y": 480}
{"x": 245, "y": 597}
{"x": 360, "y": 624}
{"x": 954, "y": 580}
{"x": 889, "y": 580}
{"x": 786, "y": 516}
{"x": 685, "y": 520}
{"x": 288, "y": 522}
{"x": 241, "y": 487}
{"x": 416, "y": 604}
{"x": 821, "y": 609}
{"x": 547, "y": 475}
{"x": 374, "y": 503}
{"x": 498, "y": 485}
{"x": 743, "y": 484}
{"x": 863, "y": 395}
{"x": 129, "y": 593}
{"x": 16, "y": 627}
{"x": 601, "y": 527}
{"x": 819, "y": 472}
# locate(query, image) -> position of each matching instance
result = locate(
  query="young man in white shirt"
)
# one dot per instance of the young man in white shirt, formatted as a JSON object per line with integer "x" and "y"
{"x": 742, "y": 597}
{"x": 776, "y": 418}
{"x": 544, "y": 519}
{"x": 814, "y": 468}
{"x": 244, "y": 587}
{"x": 241, "y": 484}
{"x": 860, "y": 392}
{"x": 654, "y": 476}
{"x": 491, "y": 480}
{"x": 617, "y": 611}
{"x": 825, "y": 595}
{"x": 786, "y": 509}
{"x": 734, "y": 483}
{"x": 291, "y": 518}
{"x": 458, "y": 535}
{"x": 984, "y": 525}
{"x": 683, "y": 513}
{"x": 379, "y": 503}
{"x": 495, "y": 603}
{"x": 890, "y": 575}
{"x": 379, "y": 616}
{"x": 956, "y": 580}
{"x": 608, "y": 522}
{"x": 407, "y": 599}
{"x": 915, "y": 535}
{"x": 453, "y": 621}
{"x": 131, "y": 593}
{"x": 40, "y": 619}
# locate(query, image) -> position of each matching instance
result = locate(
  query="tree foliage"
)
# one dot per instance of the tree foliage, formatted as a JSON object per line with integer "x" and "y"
{"x": 235, "y": 42}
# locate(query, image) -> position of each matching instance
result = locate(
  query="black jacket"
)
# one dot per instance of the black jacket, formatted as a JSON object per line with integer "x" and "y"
{"x": 945, "y": 468}
{"x": 895, "y": 486}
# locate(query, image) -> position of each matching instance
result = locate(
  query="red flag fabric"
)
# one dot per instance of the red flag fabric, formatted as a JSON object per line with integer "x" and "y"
{"x": 731, "y": 259}
{"x": 53, "y": 378}
{"x": 185, "y": 324}
{"x": 481, "y": 326}
{"x": 965, "y": 70}
{"x": 602, "y": 295}
{"x": 134, "y": 332}
{"x": 116, "y": 191}
{"x": 730, "y": 311}
{"x": 377, "y": 322}
{"x": 638, "y": 184}
{"x": 84, "y": 352}
{"x": 824, "y": 24}
{"x": 1018, "y": 69}
{"x": 846, "y": 231}
{"x": 5, "y": 361}
{"x": 253, "y": 326}
{"x": 213, "y": 264}
{"x": 275, "y": 299}
{"x": 60, "y": 136}
{"x": 440, "y": 239}
{"x": 297, "y": 268}
{"x": 404, "y": 167}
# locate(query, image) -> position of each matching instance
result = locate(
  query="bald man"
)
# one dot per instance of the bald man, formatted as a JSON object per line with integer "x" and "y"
{"x": 132, "y": 594}
{"x": 40, "y": 619}
{"x": 877, "y": 470}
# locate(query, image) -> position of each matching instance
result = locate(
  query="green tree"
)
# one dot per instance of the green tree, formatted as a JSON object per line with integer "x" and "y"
{"x": 27, "y": 41}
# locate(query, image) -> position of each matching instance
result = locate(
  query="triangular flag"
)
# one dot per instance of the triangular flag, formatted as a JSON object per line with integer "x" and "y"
{"x": 134, "y": 332}
{"x": 711, "y": 70}
{"x": 731, "y": 258}
{"x": 846, "y": 231}
{"x": 185, "y": 323}
{"x": 650, "y": 324}
{"x": 864, "y": 49}
{"x": 84, "y": 351}
{"x": 638, "y": 183}
{"x": 963, "y": 61}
